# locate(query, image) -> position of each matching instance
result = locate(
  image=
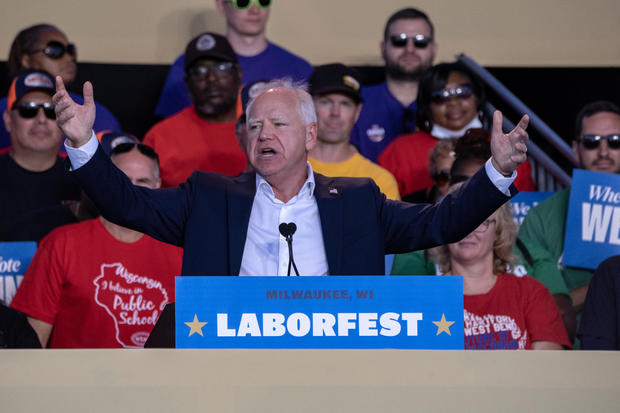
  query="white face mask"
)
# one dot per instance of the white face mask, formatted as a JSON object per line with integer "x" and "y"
{"x": 443, "y": 133}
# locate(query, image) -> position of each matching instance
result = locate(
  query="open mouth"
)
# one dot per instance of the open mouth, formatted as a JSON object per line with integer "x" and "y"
{"x": 267, "y": 152}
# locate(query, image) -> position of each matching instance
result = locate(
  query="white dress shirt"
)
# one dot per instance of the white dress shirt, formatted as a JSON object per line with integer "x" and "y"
{"x": 266, "y": 250}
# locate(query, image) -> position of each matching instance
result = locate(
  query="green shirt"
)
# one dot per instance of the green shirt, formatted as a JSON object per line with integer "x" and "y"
{"x": 544, "y": 227}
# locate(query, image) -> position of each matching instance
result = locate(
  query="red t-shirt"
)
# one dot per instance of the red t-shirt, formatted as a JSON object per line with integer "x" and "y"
{"x": 96, "y": 290}
{"x": 185, "y": 143}
{"x": 407, "y": 158}
{"x": 514, "y": 313}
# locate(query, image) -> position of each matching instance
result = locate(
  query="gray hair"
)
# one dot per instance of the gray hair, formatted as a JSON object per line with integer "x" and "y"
{"x": 305, "y": 104}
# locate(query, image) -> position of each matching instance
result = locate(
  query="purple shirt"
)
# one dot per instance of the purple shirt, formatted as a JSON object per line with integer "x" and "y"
{"x": 274, "y": 62}
{"x": 381, "y": 121}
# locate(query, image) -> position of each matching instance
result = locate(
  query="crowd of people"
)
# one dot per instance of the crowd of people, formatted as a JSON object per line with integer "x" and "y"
{"x": 235, "y": 107}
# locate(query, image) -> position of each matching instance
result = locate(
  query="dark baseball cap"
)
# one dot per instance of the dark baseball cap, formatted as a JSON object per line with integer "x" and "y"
{"x": 335, "y": 77}
{"x": 209, "y": 45}
{"x": 28, "y": 81}
{"x": 110, "y": 139}
{"x": 248, "y": 92}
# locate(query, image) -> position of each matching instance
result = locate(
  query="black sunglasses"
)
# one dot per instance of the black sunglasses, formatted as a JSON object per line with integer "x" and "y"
{"x": 246, "y": 4}
{"x": 56, "y": 50}
{"x": 29, "y": 110}
{"x": 128, "y": 146}
{"x": 419, "y": 40}
{"x": 443, "y": 96}
{"x": 593, "y": 141}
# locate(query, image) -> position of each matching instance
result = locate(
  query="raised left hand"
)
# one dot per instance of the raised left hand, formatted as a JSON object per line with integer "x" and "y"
{"x": 508, "y": 150}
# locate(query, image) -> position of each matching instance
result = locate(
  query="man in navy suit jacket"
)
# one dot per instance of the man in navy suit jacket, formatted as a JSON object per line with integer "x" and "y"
{"x": 229, "y": 226}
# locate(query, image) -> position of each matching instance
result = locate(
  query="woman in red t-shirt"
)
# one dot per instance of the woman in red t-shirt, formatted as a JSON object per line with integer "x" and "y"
{"x": 501, "y": 310}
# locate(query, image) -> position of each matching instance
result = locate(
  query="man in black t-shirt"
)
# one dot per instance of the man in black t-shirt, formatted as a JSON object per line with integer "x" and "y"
{"x": 34, "y": 188}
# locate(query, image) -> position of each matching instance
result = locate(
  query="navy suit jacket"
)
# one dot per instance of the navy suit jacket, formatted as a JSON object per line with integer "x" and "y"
{"x": 209, "y": 214}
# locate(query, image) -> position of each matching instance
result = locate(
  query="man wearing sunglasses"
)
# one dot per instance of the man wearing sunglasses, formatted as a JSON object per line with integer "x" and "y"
{"x": 96, "y": 284}
{"x": 202, "y": 136}
{"x": 45, "y": 47}
{"x": 34, "y": 187}
{"x": 246, "y": 21}
{"x": 596, "y": 145}
{"x": 408, "y": 48}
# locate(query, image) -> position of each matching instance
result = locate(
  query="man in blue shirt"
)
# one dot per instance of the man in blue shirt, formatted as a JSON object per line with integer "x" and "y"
{"x": 408, "y": 48}
{"x": 259, "y": 59}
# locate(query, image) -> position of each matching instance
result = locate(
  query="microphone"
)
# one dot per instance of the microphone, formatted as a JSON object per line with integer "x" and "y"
{"x": 287, "y": 231}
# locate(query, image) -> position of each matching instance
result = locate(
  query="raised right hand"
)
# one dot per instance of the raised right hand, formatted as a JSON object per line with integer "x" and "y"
{"x": 75, "y": 121}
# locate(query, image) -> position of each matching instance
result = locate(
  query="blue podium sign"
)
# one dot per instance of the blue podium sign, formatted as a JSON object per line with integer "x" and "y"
{"x": 15, "y": 258}
{"x": 593, "y": 219}
{"x": 524, "y": 201}
{"x": 320, "y": 312}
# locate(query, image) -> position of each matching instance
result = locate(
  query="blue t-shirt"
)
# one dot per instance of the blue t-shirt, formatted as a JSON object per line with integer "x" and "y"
{"x": 274, "y": 62}
{"x": 104, "y": 120}
{"x": 381, "y": 121}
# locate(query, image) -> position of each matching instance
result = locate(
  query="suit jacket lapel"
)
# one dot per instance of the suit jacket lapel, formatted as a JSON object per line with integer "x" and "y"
{"x": 329, "y": 201}
{"x": 240, "y": 200}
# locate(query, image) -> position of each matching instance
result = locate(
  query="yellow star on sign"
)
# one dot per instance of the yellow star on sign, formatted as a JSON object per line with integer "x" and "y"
{"x": 195, "y": 326}
{"x": 443, "y": 325}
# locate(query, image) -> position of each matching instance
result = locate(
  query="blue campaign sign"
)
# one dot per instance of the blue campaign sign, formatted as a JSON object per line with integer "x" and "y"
{"x": 15, "y": 258}
{"x": 593, "y": 219}
{"x": 320, "y": 312}
{"x": 524, "y": 201}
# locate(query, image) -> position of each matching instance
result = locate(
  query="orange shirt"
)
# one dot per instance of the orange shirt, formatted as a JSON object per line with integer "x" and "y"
{"x": 185, "y": 142}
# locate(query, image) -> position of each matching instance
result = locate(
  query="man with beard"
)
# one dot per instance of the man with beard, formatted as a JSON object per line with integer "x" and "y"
{"x": 202, "y": 136}
{"x": 597, "y": 147}
{"x": 408, "y": 48}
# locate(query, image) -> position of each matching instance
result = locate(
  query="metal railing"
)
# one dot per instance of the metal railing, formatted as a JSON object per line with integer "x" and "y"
{"x": 547, "y": 175}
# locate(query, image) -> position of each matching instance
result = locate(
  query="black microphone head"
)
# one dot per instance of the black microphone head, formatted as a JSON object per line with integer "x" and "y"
{"x": 287, "y": 230}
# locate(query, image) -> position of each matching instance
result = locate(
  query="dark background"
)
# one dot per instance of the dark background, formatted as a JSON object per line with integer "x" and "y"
{"x": 554, "y": 94}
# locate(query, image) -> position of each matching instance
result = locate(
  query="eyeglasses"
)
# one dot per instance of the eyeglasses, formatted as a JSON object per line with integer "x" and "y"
{"x": 419, "y": 40}
{"x": 485, "y": 225}
{"x": 442, "y": 177}
{"x": 593, "y": 141}
{"x": 443, "y": 96}
{"x": 219, "y": 70}
{"x": 246, "y": 4}
{"x": 29, "y": 110}
{"x": 56, "y": 50}
{"x": 128, "y": 146}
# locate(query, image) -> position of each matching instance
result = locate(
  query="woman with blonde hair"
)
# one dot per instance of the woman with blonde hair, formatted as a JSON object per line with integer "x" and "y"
{"x": 501, "y": 310}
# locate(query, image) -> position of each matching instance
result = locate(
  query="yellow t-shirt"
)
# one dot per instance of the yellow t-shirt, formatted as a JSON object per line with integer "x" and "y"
{"x": 359, "y": 167}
